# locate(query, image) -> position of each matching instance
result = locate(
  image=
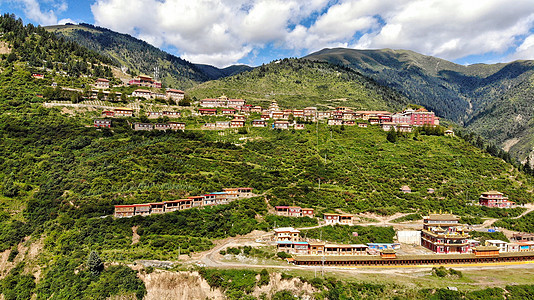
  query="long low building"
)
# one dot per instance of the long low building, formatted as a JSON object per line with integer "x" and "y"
{"x": 144, "y": 209}
{"x": 294, "y": 211}
{"x": 293, "y": 246}
{"x": 385, "y": 258}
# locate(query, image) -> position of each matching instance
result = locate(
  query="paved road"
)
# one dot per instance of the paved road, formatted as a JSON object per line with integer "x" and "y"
{"x": 210, "y": 259}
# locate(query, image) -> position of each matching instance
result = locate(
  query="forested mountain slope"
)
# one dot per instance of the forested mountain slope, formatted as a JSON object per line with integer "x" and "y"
{"x": 140, "y": 57}
{"x": 483, "y": 97}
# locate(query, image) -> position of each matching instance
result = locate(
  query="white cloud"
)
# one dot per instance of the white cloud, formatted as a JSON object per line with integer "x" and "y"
{"x": 32, "y": 10}
{"x": 42, "y": 12}
{"x": 206, "y": 31}
{"x": 525, "y": 50}
{"x": 453, "y": 29}
{"x": 225, "y": 31}
{"x": 65, "y": 21}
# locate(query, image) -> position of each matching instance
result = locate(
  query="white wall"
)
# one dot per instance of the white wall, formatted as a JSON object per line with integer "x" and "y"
{"x": 409, "y": 237}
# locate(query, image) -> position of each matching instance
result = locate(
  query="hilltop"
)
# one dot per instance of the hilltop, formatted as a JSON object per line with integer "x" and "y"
{"x": 297, "y": 83}
{"x": 140, "y": 57}
{"x": 486, "y": 98}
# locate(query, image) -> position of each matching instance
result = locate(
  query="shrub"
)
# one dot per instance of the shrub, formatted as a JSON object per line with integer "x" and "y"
{"x": 283, "y": 255}
{"x": 264, "y": 278}
{"x": 13, "y": 254}
{"x": 439, "y": 272}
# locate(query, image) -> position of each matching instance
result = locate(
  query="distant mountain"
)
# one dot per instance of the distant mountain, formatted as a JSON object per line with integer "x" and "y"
{"x": 216, "y": 73}
{"x": 140, "y": 57}
{"x": 489, "y": 99}
{"x": 297, "y": 83}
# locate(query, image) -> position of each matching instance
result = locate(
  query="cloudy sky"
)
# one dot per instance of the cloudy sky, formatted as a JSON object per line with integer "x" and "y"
{"x": 225, "y": 32}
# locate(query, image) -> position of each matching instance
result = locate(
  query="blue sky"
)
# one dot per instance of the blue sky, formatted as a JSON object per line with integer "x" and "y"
{"x": 225, "y": 32}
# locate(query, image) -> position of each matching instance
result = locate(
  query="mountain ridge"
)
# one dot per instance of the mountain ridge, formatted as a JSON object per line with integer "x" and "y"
{"x": 297, "y": 83}
{"x": 464, "y": 94}
{"x": 141, "y": 57}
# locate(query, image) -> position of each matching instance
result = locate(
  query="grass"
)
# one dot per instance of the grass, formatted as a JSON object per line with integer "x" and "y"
{"x": 299, "y": 83}
{"x": 417, "y": 279}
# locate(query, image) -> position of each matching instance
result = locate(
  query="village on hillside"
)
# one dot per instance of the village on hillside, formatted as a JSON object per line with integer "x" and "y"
{"x": 441, "y": 234}
{"x": 237, "y": 112}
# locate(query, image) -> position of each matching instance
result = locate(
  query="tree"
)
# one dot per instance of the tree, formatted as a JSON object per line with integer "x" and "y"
{"x": 528, "y": 167}
{"x": 242, "y": 130}
{"x": 10, "y": 189}
{"x": 94, "y": 263}
{"x": 100, "y": 95}
{"x": 112, "y": 96}
{"x": 264, "y": 278}
{"x": 392, "y": 135}
{"x": 186, "y": 101}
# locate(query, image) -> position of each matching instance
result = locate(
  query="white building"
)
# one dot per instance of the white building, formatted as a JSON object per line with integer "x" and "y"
{"x": 502, "y": 245}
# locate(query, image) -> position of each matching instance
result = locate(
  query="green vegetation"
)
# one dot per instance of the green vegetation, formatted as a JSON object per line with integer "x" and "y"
{"x": 523, "y": 224}
{"x": 248, "y": 251}
{"x": 59, "y": 177}
{"x": 64, "y": 280}
{"x": 471, "y": 220}
{"x": 409, "y": 217}
{"x": 42, "y": 50}
{"x": 444, "y": 272}
{"x": 483, "y": 236}
{"x": 491, "y": 100}
{"x": 326, "y": 86}
{"x": 274, "y": 221}
{"x": 94, "y": 263}
{"x": 236, "y": 284}
{"x": 344, "y": 234}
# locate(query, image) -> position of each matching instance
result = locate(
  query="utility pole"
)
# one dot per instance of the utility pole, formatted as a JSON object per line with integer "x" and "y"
{"x": 322, "y": 266}
{"x": 317, "y": 131}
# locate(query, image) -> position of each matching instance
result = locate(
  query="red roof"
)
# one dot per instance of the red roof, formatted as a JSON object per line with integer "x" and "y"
{"x": 175, "y": 91}
{"x": 102, "y": 79}
{"x": 207, "y": 109}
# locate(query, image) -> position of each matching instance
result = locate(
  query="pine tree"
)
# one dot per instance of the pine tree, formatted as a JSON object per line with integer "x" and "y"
{"x": 94, "y": 263}
{"x": 528, "y": 167}
{"x": 392, "y": 135}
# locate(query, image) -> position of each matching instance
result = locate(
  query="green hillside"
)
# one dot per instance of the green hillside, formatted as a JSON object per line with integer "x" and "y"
{"x": 297, "y": 83}
{"x": 60, "y": 177}
{"x": 485, "y": 98}
{"x": 509, "y": 120}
